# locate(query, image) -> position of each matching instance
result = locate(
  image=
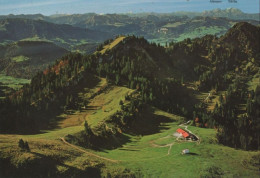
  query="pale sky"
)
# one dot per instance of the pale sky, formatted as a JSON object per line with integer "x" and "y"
{"x": 48, "y": 7}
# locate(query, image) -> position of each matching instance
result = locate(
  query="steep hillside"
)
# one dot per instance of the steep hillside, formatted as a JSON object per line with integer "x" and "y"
{"x": 225, "y": 68}
{"x": 241, "y": 35}
{"x": 132, "y": 62}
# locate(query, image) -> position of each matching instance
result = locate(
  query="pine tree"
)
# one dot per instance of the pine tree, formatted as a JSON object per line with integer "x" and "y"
{"x": 26, "y": 146}
{"x": 21, "y": 144}
{"x": 88, "y": 130}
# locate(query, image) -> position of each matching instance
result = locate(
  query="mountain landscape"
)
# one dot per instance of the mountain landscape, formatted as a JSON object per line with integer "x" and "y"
{"x": 153, "y": 26}
{"x": 130, "y": 95}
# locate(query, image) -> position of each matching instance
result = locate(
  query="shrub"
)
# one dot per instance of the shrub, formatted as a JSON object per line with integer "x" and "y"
{"x": 24, "y": 146}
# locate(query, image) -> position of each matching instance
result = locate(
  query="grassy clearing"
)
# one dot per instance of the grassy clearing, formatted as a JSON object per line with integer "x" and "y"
{"x": 200, "y": 32}
{"x": 46, "y": 157}
{"x": 173, "y": 25}
{"x": 13, "y": 82}
{"x": 36, "y": 38}
{"x": 118, "y": 24}
{"x": 112, "y": 45}
{"x": 77, "y": 118}
{"x": 106, "y": 104}
{"x": 140, "y": 154}
{"x": 59, "y": 40}
{"x": 20, "y": 58}
{"x": 100, "y": 107}
{"x": 56, "y": 133}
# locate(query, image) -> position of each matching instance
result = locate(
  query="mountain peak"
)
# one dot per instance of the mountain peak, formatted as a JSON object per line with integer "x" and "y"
{"x": 242, "y": 33}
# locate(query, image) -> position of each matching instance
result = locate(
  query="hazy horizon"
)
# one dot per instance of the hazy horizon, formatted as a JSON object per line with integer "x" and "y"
{"x": 48, "y": 7}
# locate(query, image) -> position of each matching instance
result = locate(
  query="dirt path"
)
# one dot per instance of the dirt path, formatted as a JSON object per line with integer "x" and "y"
{"x": 163, "y": 146}
{"x": 89, "y": 153}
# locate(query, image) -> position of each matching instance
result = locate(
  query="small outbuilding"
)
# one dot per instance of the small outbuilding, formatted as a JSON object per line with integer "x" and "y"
{"x": 185, "y": 151}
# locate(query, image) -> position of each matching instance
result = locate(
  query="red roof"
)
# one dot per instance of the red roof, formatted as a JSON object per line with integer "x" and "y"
{"x": 183, "y": 132}
{"x": 180, "y": 131}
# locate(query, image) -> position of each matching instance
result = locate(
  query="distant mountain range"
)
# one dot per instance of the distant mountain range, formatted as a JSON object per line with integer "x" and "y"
{"x": 91, "y": 27}
{"x": 14, "y": 29}
{"x": 231, "y": 13}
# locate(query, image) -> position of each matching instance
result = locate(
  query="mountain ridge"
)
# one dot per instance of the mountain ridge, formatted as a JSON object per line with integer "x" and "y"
{"x": 17, "y": 29}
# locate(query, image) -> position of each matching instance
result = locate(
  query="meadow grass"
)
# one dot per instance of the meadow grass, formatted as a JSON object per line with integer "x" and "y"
{"x": 35, "y": 38}
{"x": 148, "y": 155}
{"x": 113, "y": 44}
{"x": 13, "y": 82}
{"x": 140, "y": 154}
{"x": 173, "y": 25}
{"x": 107, "y": 104}
{"x": 20, "y": 58}
{"x": 200, "y": 32}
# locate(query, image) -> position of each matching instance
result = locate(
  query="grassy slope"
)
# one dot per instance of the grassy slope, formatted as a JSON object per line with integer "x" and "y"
{"x": 200, "y": 32}
{"x": 106, "y": 104}
{"x": 112, "y": 45}
{"x": 13, "y": 82}
{"x": 155, "y": 161}
{"x": 47, "y": 157}
{"x": 140, "y": 153}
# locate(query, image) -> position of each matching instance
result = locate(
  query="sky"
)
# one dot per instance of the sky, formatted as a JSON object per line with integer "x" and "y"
{"x": 49, "y": 7}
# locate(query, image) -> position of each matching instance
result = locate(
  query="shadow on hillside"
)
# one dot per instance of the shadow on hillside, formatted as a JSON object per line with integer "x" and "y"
{"x": 44, "y": 166}
{"x": 148, "y": 123}
{"x": 51, "y": 119}
{"x": 126, "y": 149}
{"x": 102, "y": 142}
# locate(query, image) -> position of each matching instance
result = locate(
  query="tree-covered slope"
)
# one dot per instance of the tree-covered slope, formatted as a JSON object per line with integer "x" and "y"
{"x": 23, "y": 59}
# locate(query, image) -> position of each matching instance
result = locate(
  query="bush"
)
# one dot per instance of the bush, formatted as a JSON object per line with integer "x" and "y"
{"x": 213, "y": 172}
{"x": 24, "y": 146}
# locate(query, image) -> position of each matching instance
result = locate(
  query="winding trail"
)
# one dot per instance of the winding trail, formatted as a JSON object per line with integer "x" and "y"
{"x": 89, "y": 153}
{"x": 163, "y": 146}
